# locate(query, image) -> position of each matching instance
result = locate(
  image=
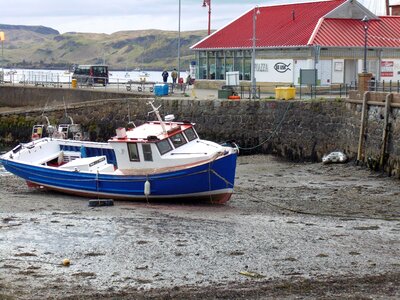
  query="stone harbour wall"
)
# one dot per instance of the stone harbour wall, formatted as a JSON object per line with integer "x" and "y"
{"x": 41, "y": 97}
{"x": 296, "y": 130}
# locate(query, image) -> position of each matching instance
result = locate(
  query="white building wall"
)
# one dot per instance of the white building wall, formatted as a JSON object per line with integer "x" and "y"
{"x": 330, "y": 71}
{"x": 301, "y": 64}
{"x": 337, "y": 70}
{"x": 274, "y": 70}
{"x": 324, "y": 67}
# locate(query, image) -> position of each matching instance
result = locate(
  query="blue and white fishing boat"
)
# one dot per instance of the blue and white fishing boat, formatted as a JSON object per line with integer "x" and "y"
{"x": 156, "y": 161}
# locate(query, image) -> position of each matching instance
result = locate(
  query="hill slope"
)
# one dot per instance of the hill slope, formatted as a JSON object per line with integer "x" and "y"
{"x": 43, "y": 47}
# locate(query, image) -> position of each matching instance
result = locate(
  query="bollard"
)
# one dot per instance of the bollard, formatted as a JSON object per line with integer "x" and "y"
{"x": 74, "y": 83}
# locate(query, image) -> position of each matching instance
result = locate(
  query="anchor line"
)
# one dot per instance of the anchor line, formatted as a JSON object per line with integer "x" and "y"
{"x": 297, "y": 211}
{"x": 273, "y": 132}
{"x": 222, "y": 178}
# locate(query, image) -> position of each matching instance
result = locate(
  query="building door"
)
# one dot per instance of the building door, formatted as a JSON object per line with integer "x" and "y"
{"x": 325, "y": 72}
{"x": 350, "y": 71}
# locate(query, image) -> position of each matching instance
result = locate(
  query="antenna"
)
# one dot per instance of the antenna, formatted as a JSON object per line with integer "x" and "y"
{"x": 155, "y": 110}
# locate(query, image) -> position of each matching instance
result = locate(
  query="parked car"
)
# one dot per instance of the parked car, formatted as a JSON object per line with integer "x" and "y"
{"x": 91, "y": 74}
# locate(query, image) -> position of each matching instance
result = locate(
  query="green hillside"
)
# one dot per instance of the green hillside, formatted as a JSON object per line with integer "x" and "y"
{"x": 42, "y": 47}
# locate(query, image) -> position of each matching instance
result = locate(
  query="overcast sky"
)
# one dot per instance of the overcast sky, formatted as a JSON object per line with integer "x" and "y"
{"x": 115, "y": 15}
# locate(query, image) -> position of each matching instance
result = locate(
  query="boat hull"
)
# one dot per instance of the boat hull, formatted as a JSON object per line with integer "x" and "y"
{"x": 209, "y": 182}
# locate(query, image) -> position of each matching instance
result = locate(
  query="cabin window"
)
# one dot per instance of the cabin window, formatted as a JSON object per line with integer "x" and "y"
{"x": 133, "y": 152}
{"x": 164, "y": 146}
{"x": 190, "y": 134}
{"x": 178, "y": 140}
{"x": 148, "y": 156}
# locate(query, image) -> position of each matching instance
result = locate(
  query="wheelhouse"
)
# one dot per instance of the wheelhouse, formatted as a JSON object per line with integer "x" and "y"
{"x": 150, "y": 145}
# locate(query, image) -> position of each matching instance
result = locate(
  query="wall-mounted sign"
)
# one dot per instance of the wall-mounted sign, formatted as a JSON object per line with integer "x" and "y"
{"x": 274, "y": 70}
{"x": 387, "y": 68}
{"x": 261, "y": 67}
{"x": 282, "y": 67}
{"x": 338, "y": 66}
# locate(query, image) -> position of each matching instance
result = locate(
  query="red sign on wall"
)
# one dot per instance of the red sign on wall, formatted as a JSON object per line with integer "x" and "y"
{"x": 387, "y": 68}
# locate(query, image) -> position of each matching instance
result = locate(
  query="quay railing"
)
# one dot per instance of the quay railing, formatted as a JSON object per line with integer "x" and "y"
{"x": 331, "y": 90}
{"x": 386, "y": 86}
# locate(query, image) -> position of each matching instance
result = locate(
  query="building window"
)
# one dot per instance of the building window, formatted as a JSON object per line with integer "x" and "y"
{"x": 247, "y": 69}
{"x": 203, "y": 68}
{"x": 147, "y": 155}
{"x": 229, "y": 65}
{"x": 133, "y": 152}
{"x": 220, "y": 69}
{"x": 238, "y": 64}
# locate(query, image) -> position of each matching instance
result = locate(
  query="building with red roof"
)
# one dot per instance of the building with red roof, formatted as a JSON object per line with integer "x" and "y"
{"x": 326, "y": 35}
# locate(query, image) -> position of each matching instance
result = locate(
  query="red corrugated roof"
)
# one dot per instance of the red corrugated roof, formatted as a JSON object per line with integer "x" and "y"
{"x": 382, "y": 33}
{"x": 275, "y": 26}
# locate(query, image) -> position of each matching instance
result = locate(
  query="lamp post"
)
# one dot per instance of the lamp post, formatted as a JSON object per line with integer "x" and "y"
{"x": 205, "y": 4}
{"x": 256, "y": 12}
{"x": 365, "y": 21}
{"x": 2, "y": 38}
{"x": 179, "y": 41}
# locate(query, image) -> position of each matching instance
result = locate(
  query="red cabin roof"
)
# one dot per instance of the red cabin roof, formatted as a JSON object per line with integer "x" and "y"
{"x": 301, "y": 25}
{"x": 152, "y": 131}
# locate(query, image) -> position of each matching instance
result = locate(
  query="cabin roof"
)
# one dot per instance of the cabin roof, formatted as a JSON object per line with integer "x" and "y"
{"x": 152, "y": 131}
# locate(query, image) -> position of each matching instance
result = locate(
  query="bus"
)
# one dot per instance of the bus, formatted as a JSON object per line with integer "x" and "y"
{"x": 91, "y": 74}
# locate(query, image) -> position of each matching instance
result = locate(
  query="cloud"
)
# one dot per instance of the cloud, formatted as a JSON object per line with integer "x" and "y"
{"x": 115, "y": 15}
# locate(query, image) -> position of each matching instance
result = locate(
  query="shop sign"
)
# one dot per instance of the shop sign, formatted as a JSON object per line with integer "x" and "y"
{"x": 387, "y": 68}
{"x": 282, "y": 67}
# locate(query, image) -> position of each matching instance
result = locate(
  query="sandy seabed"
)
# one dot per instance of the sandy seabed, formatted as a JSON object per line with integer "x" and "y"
{"x": 290, "y": 231}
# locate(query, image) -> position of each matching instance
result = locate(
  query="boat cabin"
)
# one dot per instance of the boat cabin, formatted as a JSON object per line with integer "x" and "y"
{"x": 156, "y": 144}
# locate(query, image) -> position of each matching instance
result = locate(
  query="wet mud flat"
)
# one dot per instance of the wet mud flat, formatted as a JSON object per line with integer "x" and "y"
{"x": 291, "y": 230}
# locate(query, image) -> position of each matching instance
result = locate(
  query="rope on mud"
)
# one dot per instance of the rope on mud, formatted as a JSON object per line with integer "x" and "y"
{"x": 273, "y": 132}
{"x": 296, "y": 211}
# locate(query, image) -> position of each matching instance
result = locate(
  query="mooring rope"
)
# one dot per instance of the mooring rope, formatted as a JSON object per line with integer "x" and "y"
{"x": 273, "y": 132}
{"x": 280, "y": 207}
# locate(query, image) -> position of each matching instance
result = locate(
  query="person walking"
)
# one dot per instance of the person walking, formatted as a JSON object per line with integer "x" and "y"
{"x": 165, "y": 76}
{"x": 174, "y": 75}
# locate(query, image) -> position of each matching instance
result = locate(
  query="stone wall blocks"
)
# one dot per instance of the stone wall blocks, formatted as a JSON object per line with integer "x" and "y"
{"x": 308, "y": 130}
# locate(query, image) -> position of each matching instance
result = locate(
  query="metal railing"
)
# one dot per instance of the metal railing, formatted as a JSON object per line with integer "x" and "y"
{"x": 332, "y": 91}
{"x": 388, "y": 86}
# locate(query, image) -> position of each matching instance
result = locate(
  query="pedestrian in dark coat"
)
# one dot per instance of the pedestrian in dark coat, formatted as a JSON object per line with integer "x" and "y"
{"x": 165, "y": 76}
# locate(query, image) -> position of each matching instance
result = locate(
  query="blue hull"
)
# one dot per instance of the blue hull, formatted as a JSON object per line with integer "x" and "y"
{"x": 212, "y": 181}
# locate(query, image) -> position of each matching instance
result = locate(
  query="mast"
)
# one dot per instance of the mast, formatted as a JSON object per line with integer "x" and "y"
{"x": 155, "y": 110}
